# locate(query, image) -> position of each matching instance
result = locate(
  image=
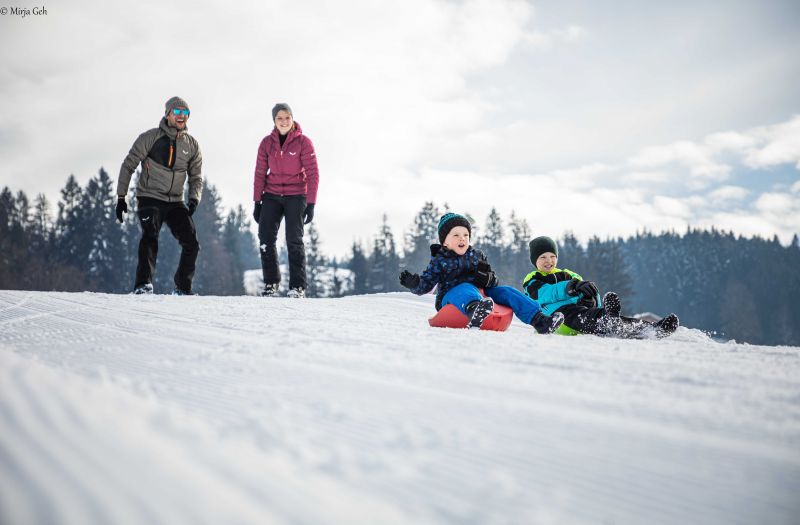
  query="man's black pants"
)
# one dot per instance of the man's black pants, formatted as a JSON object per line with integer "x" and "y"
{"x": 152, "y": 214}
{"x": 273, "y": 209}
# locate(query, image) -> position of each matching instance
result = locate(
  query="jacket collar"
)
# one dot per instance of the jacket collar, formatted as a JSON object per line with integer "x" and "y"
{"x": 437, "y": 249}
{"x": 296, "y": 132}
{"x": 171, "y": 132}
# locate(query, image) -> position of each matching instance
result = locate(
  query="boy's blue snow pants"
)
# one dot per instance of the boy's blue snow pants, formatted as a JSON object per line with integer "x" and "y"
{"x": 523, "y": 306}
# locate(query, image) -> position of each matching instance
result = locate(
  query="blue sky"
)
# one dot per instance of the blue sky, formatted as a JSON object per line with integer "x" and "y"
{"x": 599, "y": 119}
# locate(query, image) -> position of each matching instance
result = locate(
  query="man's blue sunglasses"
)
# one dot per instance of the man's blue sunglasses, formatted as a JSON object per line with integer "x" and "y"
{"x": 184, "y": 112}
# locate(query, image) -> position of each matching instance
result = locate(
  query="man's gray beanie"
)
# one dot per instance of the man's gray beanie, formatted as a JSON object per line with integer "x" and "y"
{"x": 175, "y": 102}
{"x": 280, "y": 106}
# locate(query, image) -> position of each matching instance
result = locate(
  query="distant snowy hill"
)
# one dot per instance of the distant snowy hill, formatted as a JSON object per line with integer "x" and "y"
{"x": 121, "y": 409}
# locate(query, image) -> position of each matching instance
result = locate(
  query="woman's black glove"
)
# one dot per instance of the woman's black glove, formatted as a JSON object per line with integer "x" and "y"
{"x": 257, "y": 211}
{"x": 122, "y": 207}
{"x": 577, "y": 287}
{"x": 484, "y": 276}
{"x": 308, "y": 215}
{"x": 193, "y": 206}
{"x": 409, "y": 280}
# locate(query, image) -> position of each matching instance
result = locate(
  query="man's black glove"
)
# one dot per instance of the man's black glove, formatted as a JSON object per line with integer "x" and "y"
{"x": 122, "y": 207}
{"x": 257, "y": 211}
{"x": 409, "y": 280}
{"x": 585, "y": 288}
{"x": 484, "y": 276}
{"x": 308, "y": 215}
{"x": 193, "y": 206}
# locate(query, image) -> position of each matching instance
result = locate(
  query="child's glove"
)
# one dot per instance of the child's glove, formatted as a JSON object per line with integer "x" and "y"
{"x": 409, "y": 280}
{"x": 577, "y": 287}
{"x": 484, "y": 276}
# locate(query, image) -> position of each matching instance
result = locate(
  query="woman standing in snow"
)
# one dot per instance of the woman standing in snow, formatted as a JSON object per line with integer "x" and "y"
{"x": 285, "y": 185}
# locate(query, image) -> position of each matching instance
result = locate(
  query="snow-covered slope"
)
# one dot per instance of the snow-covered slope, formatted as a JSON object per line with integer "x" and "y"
{"x": 122, "y": 409}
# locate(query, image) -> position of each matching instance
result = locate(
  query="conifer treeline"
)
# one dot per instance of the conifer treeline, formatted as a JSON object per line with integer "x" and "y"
{"x": 84, "y": 248}
{"x": 740, "y": 288}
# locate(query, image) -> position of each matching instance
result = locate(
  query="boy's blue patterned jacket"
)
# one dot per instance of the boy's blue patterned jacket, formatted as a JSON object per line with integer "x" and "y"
{"x": 448, "y": 269}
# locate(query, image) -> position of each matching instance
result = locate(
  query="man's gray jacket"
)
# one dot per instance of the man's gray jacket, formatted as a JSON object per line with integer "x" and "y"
{"x": 168, "y": 157}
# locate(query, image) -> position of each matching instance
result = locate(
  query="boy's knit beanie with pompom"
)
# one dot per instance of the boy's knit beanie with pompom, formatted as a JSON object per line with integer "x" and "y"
{"x": 450, "y": 221}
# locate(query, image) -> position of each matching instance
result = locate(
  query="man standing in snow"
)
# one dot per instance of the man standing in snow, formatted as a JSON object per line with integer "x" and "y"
{"x": 169, "y": 156}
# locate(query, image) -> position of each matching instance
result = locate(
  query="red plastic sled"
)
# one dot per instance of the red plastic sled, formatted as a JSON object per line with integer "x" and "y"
{"x": 451, "y": 317}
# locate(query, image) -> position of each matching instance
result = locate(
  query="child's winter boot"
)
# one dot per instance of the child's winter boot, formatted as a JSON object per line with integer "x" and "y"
{"x": 667, "y": 325}
{"x": 480, "y": 311}
{"x": 612, "y": 304}
{"x": 545, "y": 324}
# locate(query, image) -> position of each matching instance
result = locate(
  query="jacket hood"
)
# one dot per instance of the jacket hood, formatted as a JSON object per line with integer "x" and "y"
{"x": 171, "y": 132}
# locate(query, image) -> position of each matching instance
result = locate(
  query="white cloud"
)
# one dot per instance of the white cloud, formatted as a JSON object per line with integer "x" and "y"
{"x": 548, "y": 39}
{"x": 647, "y": 177}
{"x": 775, "y": 203}
{"x": 696, "y": 158}
{"x": 779, "y": 144}
{"x": 728, "y": 193}
{"x": 667, "y": 206}
{"x": 730, "y": 140}
{"x": 583, "y": 177}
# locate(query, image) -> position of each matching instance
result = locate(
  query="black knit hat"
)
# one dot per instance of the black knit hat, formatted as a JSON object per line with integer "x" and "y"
{"x": 175, "y": 102}
{"x": 450, "y": 221}
{"x": 281, "y": 106}
{"x": 542, "y": 245}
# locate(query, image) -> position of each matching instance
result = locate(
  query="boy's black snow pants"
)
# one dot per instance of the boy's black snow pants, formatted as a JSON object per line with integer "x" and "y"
{"x": 592, "y": 320}
{"x": 273, "y": 209}
{"x": 152, "y": 214}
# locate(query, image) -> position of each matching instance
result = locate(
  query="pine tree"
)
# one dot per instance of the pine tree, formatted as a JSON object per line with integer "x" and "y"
{"x": 517, "y": 252}
{"x": 217, "y": 273}
{"x": 102, "y": 241}
{"x": 492, "y": 241}
{"x": 8, "y": 247}
{"x": 240, "y": 245}
{"x": 607, "y": 268}
{"x": 68, "y": 225}
{"x": 384, "y": 261}
{"x": 41, "y": 223}
{"x": 359, "y": 266}
{"x": 337, "y": 285}
{"x": 315, "y": 264}
{"x": 571, "y": 254}
{"x": 423, "y": 233}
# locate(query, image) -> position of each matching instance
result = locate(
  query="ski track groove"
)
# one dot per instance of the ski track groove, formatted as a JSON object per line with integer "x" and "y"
{"x": 50, "y": 463}
{"x": 206, "y": 365}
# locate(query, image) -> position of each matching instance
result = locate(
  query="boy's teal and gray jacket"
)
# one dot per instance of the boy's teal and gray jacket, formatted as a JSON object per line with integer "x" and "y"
{"x": 169, "y": 157}
{"x": 447, "y": 269}
{"x": 550, "y": 290}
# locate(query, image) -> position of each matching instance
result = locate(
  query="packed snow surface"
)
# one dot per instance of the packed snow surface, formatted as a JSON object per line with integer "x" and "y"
{"x": 160, "y": 409}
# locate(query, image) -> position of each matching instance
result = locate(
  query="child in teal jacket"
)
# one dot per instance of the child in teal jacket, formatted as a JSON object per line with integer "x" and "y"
{"x": 565, "y": 291}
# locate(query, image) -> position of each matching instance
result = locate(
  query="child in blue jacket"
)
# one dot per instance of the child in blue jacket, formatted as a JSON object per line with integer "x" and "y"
{"x": 459, "y": 271}
{"x": 566, "y": 292}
